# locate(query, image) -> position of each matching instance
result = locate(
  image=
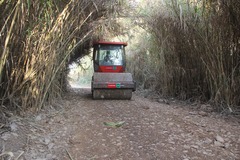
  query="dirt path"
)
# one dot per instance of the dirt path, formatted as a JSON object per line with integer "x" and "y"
{"x": 74, "y": 129}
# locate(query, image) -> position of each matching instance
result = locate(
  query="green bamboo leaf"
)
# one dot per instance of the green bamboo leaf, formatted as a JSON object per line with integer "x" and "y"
{"x": 114, "y": 124}
{"x": 29, "y": 5}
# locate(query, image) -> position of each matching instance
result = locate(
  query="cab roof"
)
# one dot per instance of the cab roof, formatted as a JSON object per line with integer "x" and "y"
{"x": 109, "y": 43}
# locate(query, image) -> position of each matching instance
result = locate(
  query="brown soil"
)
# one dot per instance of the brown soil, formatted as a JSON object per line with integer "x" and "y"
{"x": 73, "y": 128}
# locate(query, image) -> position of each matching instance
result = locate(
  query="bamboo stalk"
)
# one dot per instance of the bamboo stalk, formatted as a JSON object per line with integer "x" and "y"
{"x": 5, "y": 49}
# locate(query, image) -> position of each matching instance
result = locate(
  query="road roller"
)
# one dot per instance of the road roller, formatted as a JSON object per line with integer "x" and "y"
{"x": 109, "y": 80}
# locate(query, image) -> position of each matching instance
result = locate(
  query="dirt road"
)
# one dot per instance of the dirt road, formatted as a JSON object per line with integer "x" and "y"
{"x": 74, "y": 129}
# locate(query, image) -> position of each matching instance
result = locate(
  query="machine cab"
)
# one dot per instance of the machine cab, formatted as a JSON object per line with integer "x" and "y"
{"x": 109, "y": 56}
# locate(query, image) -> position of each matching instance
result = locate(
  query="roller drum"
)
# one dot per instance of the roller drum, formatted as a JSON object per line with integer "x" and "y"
{"x": 112, "y": 86}
{"x": 112, "y": 94}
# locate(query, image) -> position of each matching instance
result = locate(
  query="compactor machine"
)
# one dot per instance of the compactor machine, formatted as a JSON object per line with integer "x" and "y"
{"x": 110, "y": 81}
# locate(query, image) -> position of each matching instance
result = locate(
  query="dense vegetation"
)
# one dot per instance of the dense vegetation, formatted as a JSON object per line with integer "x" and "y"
{"x": 39, "y": 39}
{"x": 189, "y": 49}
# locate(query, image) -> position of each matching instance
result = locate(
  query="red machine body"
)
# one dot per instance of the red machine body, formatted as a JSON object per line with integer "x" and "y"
{"x": 110, "y": 80}
{"x": 116, "y": 62}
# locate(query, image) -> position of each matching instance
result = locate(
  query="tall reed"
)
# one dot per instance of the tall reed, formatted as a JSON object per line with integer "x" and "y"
{"x": 39, "y": 39}
{"x": 196, "y": 49}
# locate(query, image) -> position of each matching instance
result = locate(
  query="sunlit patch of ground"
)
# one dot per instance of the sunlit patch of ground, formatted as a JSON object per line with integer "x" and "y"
{"x": 75, "y": 85}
